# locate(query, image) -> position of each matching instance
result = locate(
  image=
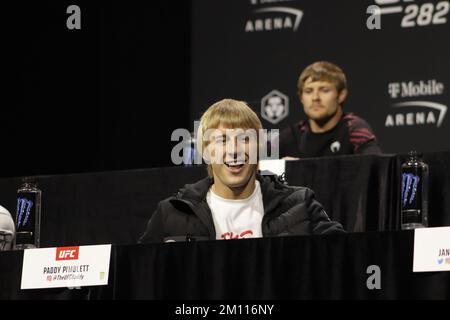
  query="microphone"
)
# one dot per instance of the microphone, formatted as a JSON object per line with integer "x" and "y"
{"x": 7, "y": 230}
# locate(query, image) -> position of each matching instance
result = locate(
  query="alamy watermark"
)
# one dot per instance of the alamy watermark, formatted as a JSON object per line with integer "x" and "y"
{"x": 412, "y": 14}
{"x": 233, "y": 145}
{"x": 74, "y": 20}
{"x": 374, "y": 20}
{"x": 374, "y": 280}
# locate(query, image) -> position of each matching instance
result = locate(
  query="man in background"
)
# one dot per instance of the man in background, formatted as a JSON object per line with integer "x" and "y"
{"x": 328, "y": 130}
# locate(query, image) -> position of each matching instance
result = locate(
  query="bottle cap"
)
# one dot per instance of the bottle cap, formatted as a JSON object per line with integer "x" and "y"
{"x": 29, "y": 180}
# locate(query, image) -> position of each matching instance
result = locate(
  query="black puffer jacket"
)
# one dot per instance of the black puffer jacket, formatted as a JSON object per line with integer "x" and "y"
{"x": 288, "y": 210}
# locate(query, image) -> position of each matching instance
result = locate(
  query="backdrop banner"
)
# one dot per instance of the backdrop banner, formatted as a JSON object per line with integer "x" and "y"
{"x": 394, "y": 53}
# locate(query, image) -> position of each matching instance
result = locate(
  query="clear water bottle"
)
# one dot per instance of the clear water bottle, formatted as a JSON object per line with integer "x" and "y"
{"x": 28, "y": 215}
{"x": 414, "y": 197}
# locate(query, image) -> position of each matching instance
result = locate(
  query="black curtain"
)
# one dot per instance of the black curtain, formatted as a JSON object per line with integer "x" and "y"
{"x": 305, "y": 267}
{"x": 104, "y": 97}
{"x": 363, "y": 192}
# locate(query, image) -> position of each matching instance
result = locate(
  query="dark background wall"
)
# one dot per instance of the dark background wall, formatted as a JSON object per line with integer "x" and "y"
{"x": 105, "y": 97}
{"x": 108, "y": 96}
{"x": 238, "y": 50}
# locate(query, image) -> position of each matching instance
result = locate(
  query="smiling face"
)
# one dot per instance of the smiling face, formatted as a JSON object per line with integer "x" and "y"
{"x": 228, "y": 141}
{"x": 321, "y": 100}
{"x": 233, "y": 161}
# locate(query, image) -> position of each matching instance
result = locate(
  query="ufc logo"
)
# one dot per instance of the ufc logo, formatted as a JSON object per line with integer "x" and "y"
{"x": 67, "y": 253}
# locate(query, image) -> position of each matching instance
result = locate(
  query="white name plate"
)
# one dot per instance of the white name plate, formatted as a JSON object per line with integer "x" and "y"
{"x": 275, "y": 166}
{"x": 76, "y": 266}
{"x": 431, "y": 249}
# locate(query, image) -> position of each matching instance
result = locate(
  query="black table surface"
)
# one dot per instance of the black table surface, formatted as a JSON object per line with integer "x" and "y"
{"x": 282, "y": 268}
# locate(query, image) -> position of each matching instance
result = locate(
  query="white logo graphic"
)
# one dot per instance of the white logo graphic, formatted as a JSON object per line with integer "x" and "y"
{"x": 416, "y": 118}
{"x": 414, "y": 15}
{"x": 394, "y": 89}
{"x": 274, "y": 18}
{"x": 335, "y": 146}
{"x": 274, "y": 106}
{"x": 416, "y": 112}
{"x": 411, "y": 89}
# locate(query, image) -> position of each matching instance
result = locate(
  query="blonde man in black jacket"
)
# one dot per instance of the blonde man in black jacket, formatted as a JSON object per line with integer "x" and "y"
{"x": 234, "y": 201}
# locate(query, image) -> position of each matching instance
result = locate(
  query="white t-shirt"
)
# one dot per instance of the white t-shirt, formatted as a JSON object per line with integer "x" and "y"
{"x": 236, "y": 219}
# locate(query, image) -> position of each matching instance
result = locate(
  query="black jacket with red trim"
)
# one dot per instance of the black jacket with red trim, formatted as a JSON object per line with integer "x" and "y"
{"x": 288, "y": 211}
{"x": 351, "y": 135}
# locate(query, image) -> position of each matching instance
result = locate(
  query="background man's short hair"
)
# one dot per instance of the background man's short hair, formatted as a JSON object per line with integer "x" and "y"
{"x": 323, "y": 71}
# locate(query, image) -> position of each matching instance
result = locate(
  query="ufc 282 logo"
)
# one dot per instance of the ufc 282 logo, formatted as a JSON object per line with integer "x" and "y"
{"x": 414, "y": 14}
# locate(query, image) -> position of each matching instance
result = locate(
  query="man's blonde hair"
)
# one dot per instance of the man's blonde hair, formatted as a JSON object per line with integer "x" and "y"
{"x": 232, "y": 114}
{"x": 323, "y": 71}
